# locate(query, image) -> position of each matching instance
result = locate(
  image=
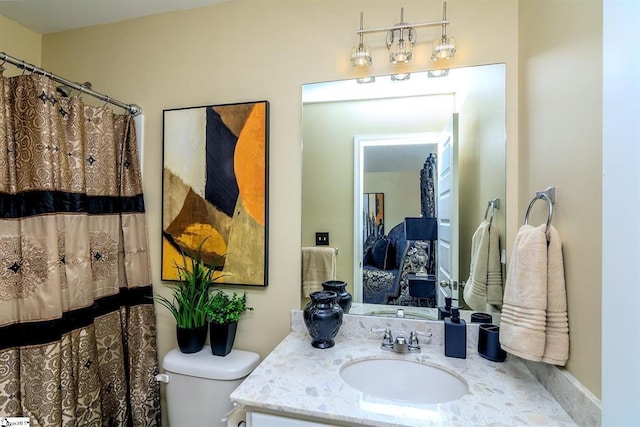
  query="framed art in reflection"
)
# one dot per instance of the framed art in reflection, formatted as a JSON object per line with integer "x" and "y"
{"x": 373, "y": 215}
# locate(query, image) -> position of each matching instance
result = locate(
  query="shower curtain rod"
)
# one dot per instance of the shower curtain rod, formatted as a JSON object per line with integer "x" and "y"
{"x": 132, "y": 109}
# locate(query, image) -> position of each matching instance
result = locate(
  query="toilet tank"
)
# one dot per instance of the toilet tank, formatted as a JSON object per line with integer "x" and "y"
{"x": 199, "y": 385}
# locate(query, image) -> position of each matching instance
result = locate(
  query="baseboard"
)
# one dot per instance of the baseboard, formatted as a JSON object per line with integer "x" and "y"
{"x": 578, "y": 401}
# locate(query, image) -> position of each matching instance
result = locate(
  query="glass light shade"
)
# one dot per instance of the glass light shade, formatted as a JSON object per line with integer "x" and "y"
{"x": 361, "y": 56}
{"x": 443, "y": 48}
{"x": 400, "y": 42}
{"x": 400, "y": 52}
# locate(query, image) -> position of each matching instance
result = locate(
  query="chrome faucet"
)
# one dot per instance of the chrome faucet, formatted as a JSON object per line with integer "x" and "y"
{"x": 400, "y": 344}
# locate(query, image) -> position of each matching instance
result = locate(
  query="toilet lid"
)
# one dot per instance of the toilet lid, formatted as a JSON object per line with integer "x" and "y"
{"x": 203, "y": 364}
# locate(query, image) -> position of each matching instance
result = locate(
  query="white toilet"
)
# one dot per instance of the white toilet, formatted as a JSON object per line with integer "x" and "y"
{"x": 199, "y": 385}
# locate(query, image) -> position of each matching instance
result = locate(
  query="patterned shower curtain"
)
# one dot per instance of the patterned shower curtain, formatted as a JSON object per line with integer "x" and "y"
{"x": 77, "y": 324}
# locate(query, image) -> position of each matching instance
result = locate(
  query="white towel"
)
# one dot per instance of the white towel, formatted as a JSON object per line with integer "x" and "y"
{"x": 318, "y": 265}
{"x": 534, "y": 323}
{"x": 485, "y": 276}
{"x": 475, "y": 292}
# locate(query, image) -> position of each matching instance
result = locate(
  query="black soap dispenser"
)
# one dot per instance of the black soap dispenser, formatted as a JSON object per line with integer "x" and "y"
{"x": 455, "y": 335}
{"x": 445, "y": 311}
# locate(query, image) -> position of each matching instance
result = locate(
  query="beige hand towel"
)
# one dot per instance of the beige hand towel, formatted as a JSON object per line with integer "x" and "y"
{"x": 475, "y": 292}
{"x": 556, "y": 350}
{"x": 522, "y": 323}
{"x": 318, "y": 265}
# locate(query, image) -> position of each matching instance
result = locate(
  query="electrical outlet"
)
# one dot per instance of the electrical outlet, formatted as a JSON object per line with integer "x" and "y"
{"x": 322, "y": 238}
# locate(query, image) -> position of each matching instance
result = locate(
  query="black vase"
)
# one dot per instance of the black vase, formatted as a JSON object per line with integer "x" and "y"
{"x": 221, "y": 337}
{"x": 323, "y": 318}
{"x": 191, "y": 340}
{"x": 339, "y": 287}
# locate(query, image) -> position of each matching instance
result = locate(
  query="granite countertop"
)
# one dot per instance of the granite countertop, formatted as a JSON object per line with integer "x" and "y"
{"x": 298, "y": 380}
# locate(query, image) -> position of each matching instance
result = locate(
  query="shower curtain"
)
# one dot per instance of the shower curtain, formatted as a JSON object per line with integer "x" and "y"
{"x": 77, "y": 324}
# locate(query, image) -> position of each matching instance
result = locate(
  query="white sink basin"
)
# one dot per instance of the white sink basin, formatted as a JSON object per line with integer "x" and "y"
{"x": 403, "y": 380}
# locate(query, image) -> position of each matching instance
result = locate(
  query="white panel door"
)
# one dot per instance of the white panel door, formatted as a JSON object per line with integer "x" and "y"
{"x": 447, "y": 206}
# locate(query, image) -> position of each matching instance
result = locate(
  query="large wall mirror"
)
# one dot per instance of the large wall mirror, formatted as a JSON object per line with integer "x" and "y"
{"x": 378, "y": 151}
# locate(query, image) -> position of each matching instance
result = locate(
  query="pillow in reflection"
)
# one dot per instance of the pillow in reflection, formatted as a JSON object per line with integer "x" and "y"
{"x": 383, "y": 254}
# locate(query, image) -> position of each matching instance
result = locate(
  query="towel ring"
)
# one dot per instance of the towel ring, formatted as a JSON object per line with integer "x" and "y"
{"x": 549, "y": 202}
{"x": 493, "y": 205}
{"x": 489, "y": 206}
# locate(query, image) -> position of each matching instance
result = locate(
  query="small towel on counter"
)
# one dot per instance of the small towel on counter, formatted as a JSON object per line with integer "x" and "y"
{"x": 318, "y": 265}
{"x": 534, "y": 322}
{"x": 485, "y": 276}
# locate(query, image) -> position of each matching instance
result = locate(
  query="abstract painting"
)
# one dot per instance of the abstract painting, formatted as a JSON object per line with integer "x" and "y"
{"x": 215, "y": 190}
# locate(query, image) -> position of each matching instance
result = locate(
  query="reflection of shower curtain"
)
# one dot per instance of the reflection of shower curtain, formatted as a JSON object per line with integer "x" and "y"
{"x": 77, "y": 324}
{"x": 428, "y": 202}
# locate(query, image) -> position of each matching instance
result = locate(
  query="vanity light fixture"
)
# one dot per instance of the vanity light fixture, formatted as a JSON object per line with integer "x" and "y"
{"x": 400, "y": 41}
{"x": 445, "y": 46}
{"x": 401, "y": 38}
{"x": 361, "y": 55}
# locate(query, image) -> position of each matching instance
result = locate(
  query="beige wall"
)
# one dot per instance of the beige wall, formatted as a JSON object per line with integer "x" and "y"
{"x": 245, "y": 50}
{"x": 401, "y": 194}
{"x": 560, "y": 134}
{"x": 19, "y": 42}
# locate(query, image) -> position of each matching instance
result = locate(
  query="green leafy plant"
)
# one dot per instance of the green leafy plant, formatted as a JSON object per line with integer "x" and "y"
{"x": 223, "y": 309}
{"x": 191, "y": 292}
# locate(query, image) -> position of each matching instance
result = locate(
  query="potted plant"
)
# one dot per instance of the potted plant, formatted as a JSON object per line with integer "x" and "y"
{"x": 190, "y": 300}
{"x": 224, "y": 312}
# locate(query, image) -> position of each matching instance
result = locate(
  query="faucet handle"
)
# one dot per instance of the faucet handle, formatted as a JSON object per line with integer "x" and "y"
{"x": 414, "y": 343}
{"x": 387, "y": 338}
{"x": 422, "y": 334}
